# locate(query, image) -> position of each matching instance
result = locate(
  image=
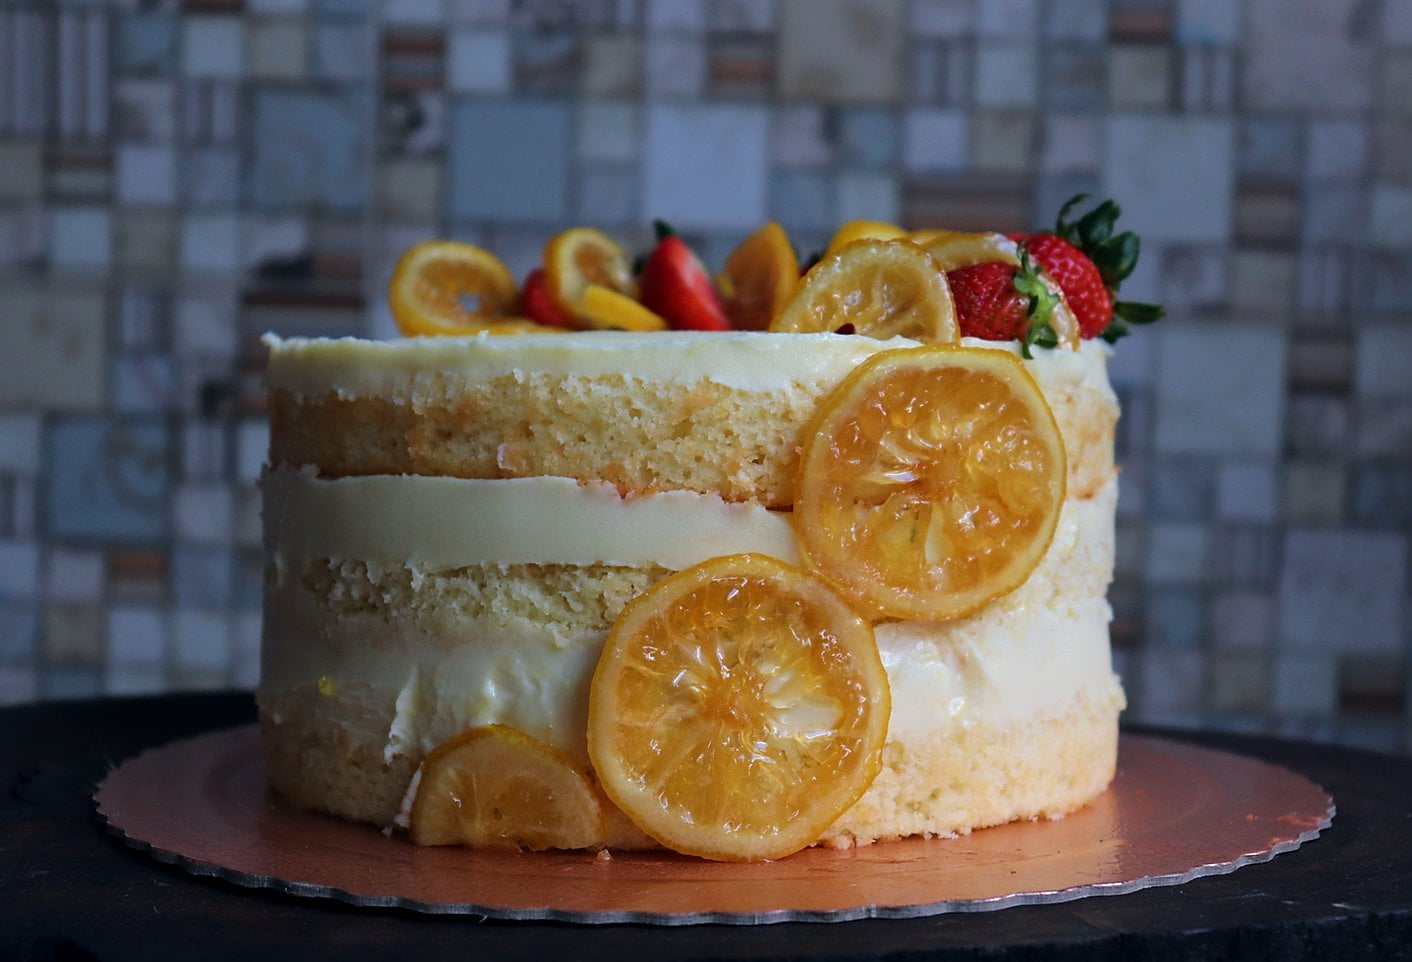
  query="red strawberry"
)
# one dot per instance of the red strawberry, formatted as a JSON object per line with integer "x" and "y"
{"x": 1001, "y": 302}
{"x": 675, "y": 285}
{"x": 1088, "y": 262}
{"x": 537, "y": 304}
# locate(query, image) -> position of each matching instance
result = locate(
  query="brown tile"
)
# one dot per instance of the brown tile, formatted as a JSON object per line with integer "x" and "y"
{"x": 1372, "y": 683}
{"x": 1003, "y": 141}
{"x": 73, "y": 635}
{"x": 1321, "y": 360}
{"x": 1140, "y": 26}
{"x": 841, "y": 51}
{"x": 137, "y": 573}
{"x": 974, "y": 202}
{"x": 1267, "y": 214}
{"x": 741, "y": 67}
{"x": 1239, "y": 683}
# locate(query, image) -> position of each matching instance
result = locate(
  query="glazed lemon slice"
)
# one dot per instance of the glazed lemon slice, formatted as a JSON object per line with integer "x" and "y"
{"x": 578, "y": 257}
{"x": 862, "y": 230}
{"x": 739, "y": 708}
{"x": 954, "y": 249}
{"x": 759, "y": 277}
{"x": 930, "y": 482}
{"x": 882, "y": 288}
{"x": 496, "y": 787}
{"x": 605, "y": 309}
{"x": 448, "y": 288}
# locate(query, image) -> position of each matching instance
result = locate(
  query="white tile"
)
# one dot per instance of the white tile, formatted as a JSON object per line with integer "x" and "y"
{"x": 73, "y": 575}
{"x": 146, "y": 174}
{"x": 1384, "y": 360}
{"x": 1172, "y": 176}
{"x": 277, "y": 6}
{"x": 1307, "y": 57}
{"x": 1342, "y": 590}
{"x": 706, "y": 165}
{"x": 478, "y": 61}
{"x": 213, "y": 47}
{"x": 1204, "y": 23}
{"x": 252, "y": 441}
{"x": 137, "y": 636}
{"x": 1006, "y": 74}
{"x": 798, "y": 137}
{"x": 201, "y": 640}
{"x": 1247, "y": 491}
{"x": 684, "y": 16}
{"x": 1392, "y": 216}
{"x": 62, "y": 365}
{"x": 210, "y": 243}
{"x": 80, "y": 238}
{"x": 1220, "y": 389}
{"x": 203, "y": 513}
{"x": 609, "y": 130}
{"x": 867, "y": 197}
{"x": 934, "y": 140}
{"x": 19, "y": 569}
{"x": 19, "y": 443}
{"x": 1397, "y": 22}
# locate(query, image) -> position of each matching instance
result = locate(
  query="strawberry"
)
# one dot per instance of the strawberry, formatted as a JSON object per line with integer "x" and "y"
{"x": 674, "y": 283}
{"x": 537, "y": 304}
{"x": 1088, "y": 262}
{"x": 996, "y": 301}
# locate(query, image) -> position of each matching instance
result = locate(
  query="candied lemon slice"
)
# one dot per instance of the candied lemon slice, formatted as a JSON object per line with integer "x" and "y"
{"x": 448, "y": 288}
{"x": 578, "y": 257}
{"x": 862, "y": 230}
{"x": 606, "y": 309}
{"x": 930, "y": 482}
{"x": 954, "y": 249}
{"x": 497, "y": 787}
{"x": 738, "y": 709}
{"x": 882, "y": 288}
{"x": 759, "y": 277}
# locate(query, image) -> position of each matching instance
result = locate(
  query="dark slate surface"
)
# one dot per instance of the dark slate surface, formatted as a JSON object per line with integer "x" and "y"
{"x": 73, "y": 892}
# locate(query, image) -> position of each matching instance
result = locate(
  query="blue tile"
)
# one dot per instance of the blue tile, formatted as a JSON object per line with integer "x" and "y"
{"x": 1181, "y": 490}
{"x": 201, "y": 577}
{"x": 1176, "y": 617}
{"x": 868, "y": 138}
{"x": 1382, "y": 494}
{"x": 342, "y": 8}
{"x": 146, "y": 45}
{"x": 607, "y": 196}
{"x": 19, "y": 633}
{"x": 249, "y": 588}
{"x": 212, "y": 177}
{"x": 1270, "y": 147}
{"x": 509, "y": 160}
{"x": 71, "y": 683}
{"x": 309, "y": 152}
{"x": 1076, "y": 77}
{"x": 108, "y": 481}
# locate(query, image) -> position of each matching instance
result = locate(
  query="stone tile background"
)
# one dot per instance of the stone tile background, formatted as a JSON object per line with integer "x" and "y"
{"x": 178, "y": 177}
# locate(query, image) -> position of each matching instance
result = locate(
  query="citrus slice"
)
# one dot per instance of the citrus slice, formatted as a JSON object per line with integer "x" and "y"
{"x": 447, "y": 288}
{"x": 759, "y": 277}
{"x": 930, "y": 481}
{"x": 954, "y": 249}
{"x": 738, "y": 709}
{"x": 496, "y": 787}
{"x": 862, "y": 230}
{"x": 581, "y": 256}
{"x": 882, "y": 288}
{"x": 605, "y": 309}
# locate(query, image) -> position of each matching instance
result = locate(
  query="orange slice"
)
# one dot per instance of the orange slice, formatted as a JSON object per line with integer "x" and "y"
{"x": 581, "y": 256}
{"x": 739, "y": 708}
{"x": 930, "y": 482}
{"x": 759, "y": 277}
{"x": 605, "y": 309}
{"x": 862, "y": 230}
{"x": 953, "y": 249}
{"x": 447, "y": 288}
{"x": 496, "y": 787}
{"x": 883, "y": 288}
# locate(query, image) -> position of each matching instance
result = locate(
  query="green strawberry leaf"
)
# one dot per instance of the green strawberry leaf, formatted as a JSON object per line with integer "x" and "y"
{"x": 1116, "y": 329}
{"x": 1117, "y": 257}
{"x": 662, "y": 229}
{"x": 1040, "y": 310}
{"x": 1136, "y": 312}
{"x": 1062, "y": 227}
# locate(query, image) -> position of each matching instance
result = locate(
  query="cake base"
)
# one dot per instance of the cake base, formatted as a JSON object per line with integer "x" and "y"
{"x": 1175, "y": 812}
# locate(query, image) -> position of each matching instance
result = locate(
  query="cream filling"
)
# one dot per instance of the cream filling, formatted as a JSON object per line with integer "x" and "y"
{"x": 745, "y": 360}
{"x": 431, "y": 523}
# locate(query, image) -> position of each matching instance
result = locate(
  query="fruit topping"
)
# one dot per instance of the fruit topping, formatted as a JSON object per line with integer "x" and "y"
{"x": 581, "y": 256}
{"x": 451, "y": 288}
{"x": 497, "y": 787}
{"x": 882, "y": 288}
{"x": 605, "y": 309}
{"x": 675, "y": 284}
{"x": 537, "y": 304}
{"x": 759, "y": 277}
{"x": 739, "y": 708}
{"x": 930, "y": 481}
{"x": 862, "y": 230}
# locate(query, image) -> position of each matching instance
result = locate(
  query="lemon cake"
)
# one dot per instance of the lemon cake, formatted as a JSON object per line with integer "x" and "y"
{"x": 454, "y": 525}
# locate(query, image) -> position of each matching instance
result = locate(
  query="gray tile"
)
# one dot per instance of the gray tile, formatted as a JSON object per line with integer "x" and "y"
{"x": 1178, "y": 554}
{"x": 608, "y": 195}
{"x": 1270, "y": 147}
{"x": 1220, "y": 389}
{"x": 1240, "y": 683}
{"x": 1383, "y": 354}
{"x": 1380, "y": 495}
{"x": 1176, "y": 618}
{"x": 1318, "y": 426}
{"x": 803, "y": 200}
{"x": 1288, "y": 62}
{"x": 1156, "y": 165}
{"x": 1247, "y": 491}
{"x": 1384, "y": 428}
{"x": 202, "y": 577}
{"x": 1305, "y": 684}
{"x": 869, "y": 137}
{"x": 1246, "y": 556}
{"x": 1342, "y": 590}
{"x": 108, "y": 481}
{"x": 509, "y": 160}
{"x": 146, "y": 44}
{"x": 720, "y": 151}
{"x": 309, "y": 150}
{"x": 1181, "y": 489}
{"x": 70, "y": 683}
{"x": 19, "y": 632}
{"x": 837, "y": 52}
{"x": 1243, "y": 620}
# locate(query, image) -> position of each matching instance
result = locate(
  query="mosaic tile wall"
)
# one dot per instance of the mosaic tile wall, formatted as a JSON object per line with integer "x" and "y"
{"x": 176, "y": 178}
